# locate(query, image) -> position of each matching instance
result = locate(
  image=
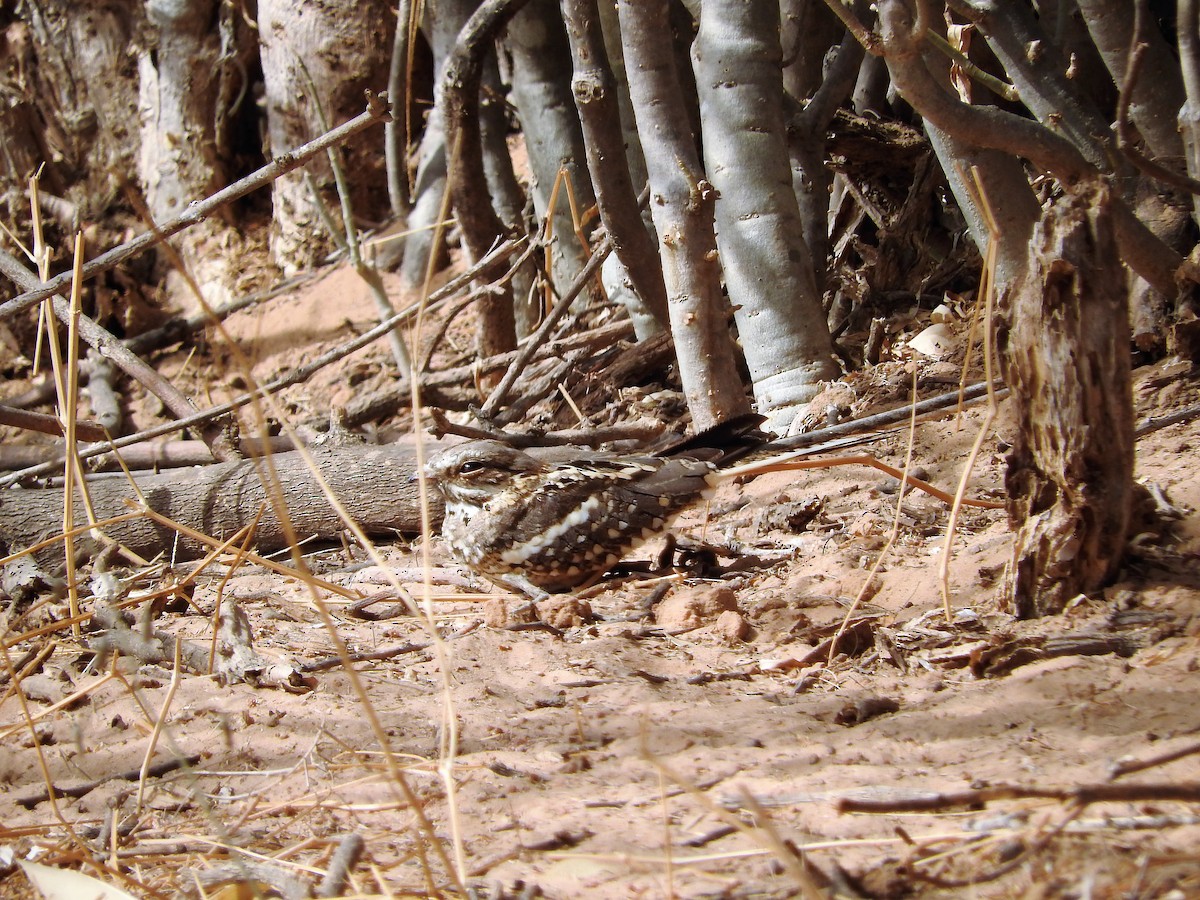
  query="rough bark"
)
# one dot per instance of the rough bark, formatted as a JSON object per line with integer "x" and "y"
{"x": 595, "y": 90}
{"x": 768, "y": 269}
{"x": 319, "y": 58}
{"x": 374, "y": 483}
{"x": 1065, "y": 349}
{"x": 681, "y": 203}
{"x": 77, "y": 74}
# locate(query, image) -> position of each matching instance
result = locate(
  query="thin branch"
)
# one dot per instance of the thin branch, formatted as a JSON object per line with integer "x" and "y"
{"x": 106, "y": 344}
{"x": 40, "y": 422}
{"x": 996, "y": 129}
{"x": 1082, "y": 795}
{"x": 500, "y": 394}
{"x": 1127, "y": 140}
{"x": 295, "y": 376}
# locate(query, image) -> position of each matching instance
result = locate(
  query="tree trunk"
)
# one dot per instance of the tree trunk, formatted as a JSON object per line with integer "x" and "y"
{"x": 812, "y": 181}
{"x": 681, "y": 202}
{"x": 317, "y": 60}
{"x": 477, "y": 220}
{"x": 1065, "y": 348}
{"x": 536, "y": 42}
{"x": 187, "y": 70}
{"x": 1158, "y": 94}
{"x": 768, "y": 269}
{"x": 85, "y": 93}
{"x": 179, "y": 160}
{"x": 595, "y": 90}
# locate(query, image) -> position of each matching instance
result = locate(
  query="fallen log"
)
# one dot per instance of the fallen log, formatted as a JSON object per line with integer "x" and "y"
{"x": 373, "y": 482}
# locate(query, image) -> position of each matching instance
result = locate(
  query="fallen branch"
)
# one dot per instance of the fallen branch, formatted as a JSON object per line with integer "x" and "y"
{"x": 372, "y": 482}
{"x": 165, "y": 454}
{"x": 1080, "y": 796}
{"x": 104, "y": 343}
{"x": 33, "y": 421}
{"x": 293, "y": 377}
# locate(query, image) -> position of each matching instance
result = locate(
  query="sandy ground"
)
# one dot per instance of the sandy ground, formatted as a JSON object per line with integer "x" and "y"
{"x": 689, "y": 737}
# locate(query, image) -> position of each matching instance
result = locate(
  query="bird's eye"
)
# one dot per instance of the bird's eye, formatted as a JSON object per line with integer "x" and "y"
{"x": 472, "y": 465}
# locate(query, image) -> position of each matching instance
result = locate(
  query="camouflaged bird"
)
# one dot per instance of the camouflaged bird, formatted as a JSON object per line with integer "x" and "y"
{"x": 550, "y": 523}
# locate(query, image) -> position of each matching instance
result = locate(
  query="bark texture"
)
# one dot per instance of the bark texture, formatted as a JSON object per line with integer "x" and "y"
{"x": 178, "y": 101}
{"x": 77, "y": 76}
{"x": 768, "y": 269}
{"x": 681, "y": 203}
{"x": 374, "y": 482}
{"x": 595, "y": 90}
{"x": 477, "y": 219}
{"x": 1065, "y": 349}
{"x": 540, "y": 58}
{"x": 319, "y": 58}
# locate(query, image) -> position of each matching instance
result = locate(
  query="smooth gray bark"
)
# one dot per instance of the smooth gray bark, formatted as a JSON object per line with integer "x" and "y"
{"x": 1158, "y": 95}
{"x": 440, "y": 25}
{"x": 178, "y": 156}
{"x": 541, "y": 91}
{"x": 768, "y": 269}
{"x": 1188, "y": 29}
{"x": 1038, "y": 69}
{"x": 681, "y": 203}
{"x": 988, "y": 127}
{"x": 595, "y": 90}
{"x": 477, "y": 220}
{"x": 395, "y": 139}
{"x": 807, "y": 129}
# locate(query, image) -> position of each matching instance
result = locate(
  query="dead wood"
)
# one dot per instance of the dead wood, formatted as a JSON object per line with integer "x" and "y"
{"x": 499, "y": 396}
{"x": 104, "y": 343}
{"x": 166, "y": 454}
{"x": 453, "y": 388}
{"x": 1065, "y": 349}
{"x": 1083, "y": 795}
{"x": 32, "y": 421}
{"x": 198, "y": 211}
{"x": 372, "y": 481}
{"x": 295, "y": 376}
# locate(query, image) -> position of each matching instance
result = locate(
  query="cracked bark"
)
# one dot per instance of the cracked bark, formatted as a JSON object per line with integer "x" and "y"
{"x": 1064, "y": 341}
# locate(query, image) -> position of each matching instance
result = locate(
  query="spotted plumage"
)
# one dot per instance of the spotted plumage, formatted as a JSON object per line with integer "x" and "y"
{"x": 554, "y": 525}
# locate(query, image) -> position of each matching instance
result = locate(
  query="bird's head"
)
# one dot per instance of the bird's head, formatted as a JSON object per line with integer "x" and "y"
{"x": 475, "y": 472}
